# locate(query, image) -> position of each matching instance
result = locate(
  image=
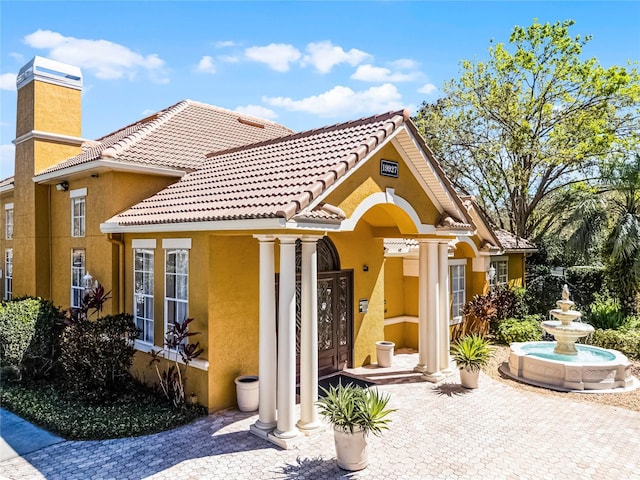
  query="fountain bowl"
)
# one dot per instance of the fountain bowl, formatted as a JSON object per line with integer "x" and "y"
{"x": 591, "y": 369}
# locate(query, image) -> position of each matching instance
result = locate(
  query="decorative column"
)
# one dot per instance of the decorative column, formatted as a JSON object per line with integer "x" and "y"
{"x": 444, "y": 306}
{"x": 432, "y": 370}
{"x": 286, "y": 392}
{"x": 422, "y": 307}
{"x": 267, "y": 351}
{"x": 309, "y": 422}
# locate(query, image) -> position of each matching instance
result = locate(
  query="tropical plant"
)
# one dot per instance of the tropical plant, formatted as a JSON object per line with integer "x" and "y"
{"x": 605, "y": 313}
{"x": 608, "y": 220}
{"x": 350, "y": 407}
{"x": 179, "y": 354}
{"x": 471, "y": 352}
{"x": 528, "y": 122}
{"x": 482, "y": 312}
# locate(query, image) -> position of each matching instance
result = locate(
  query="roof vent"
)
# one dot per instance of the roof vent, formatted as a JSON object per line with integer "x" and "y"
{"x": 50, "y": 71}
{"x": 246, "y": 121}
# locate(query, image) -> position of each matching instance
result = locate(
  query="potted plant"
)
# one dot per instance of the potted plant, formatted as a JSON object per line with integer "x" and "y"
{"x": 354, "y": 412}
{"x": 471, "y": 353}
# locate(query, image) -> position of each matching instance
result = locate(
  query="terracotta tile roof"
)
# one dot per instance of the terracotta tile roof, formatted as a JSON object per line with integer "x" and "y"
{"x": 509, "y": 241}
{"x": 178, "y": 137}
{"x": 273, "y": 179}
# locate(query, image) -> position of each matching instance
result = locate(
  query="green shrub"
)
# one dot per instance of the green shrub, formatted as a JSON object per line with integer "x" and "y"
{"x": 17, "y": 327}
{"x": 605, "y": 313}
{"x": 626, "y": 342}
{"x": 483, "y": 312}
{"x": 96, "y": 355}
{"x": 585, "y": 282}
{"x": 40, "y": 358}
{"x": 631, "y": 323}
{"x": 543, "y": 291}
{"x": 526, "y": 329}
{"x": 135, "y": 412}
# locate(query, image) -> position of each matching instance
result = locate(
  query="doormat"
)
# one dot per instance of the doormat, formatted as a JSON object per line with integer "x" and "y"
{"x": 338, "y": 379}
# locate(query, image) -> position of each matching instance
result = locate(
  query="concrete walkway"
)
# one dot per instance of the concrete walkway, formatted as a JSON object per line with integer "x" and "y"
{"x": 19, "y": 437}
{"x": 439, "y": 431}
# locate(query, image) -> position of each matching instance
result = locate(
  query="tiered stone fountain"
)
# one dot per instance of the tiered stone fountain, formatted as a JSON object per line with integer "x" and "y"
{"x": 565, "y": 330}
{"x": 563, "y": 365}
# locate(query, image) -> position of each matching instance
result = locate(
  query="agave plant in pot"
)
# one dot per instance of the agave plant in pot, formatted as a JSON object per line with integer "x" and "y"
{"x": 471, "y": 353}
{"x": 354, "y": 412}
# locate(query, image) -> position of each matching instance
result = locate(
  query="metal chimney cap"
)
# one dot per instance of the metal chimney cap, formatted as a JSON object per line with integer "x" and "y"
{"x": 50, "y": 71}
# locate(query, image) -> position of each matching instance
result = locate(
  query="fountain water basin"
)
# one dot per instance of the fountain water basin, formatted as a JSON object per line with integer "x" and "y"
{"x": 563, "y": 365}
{"x": 590, "y": 369}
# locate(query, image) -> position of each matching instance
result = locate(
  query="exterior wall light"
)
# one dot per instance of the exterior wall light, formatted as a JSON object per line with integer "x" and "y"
{"x": 87, "y": 281}
{"x": 62, "y": 186}
{"x": 491, "y": 274}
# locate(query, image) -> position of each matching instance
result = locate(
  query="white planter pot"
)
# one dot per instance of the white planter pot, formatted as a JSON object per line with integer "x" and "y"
{"x": 468, "y": 378}
{"x": 351, "y": 449}
{"x": 384, "y": 352}
{"x": 247, "y": 393}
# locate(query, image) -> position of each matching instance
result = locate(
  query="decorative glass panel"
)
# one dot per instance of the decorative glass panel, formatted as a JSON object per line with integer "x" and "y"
{"x": 325, "y": 316}
{"x": 343, "y": 312}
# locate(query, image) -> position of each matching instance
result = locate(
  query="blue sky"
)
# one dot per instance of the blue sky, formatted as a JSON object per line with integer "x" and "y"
{"x": 302, "y": 64}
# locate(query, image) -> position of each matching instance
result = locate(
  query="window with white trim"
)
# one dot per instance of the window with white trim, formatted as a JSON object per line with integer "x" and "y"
{"x": 78, "y": 212}
{"x": 501, "y": 267}
{"x": 457, "y": 275}
{"x": 143, "y": 292}
{"x": 8, "y": 221}
{"x": 176, "y": 286}
{"x": 77, "y": 277}
{"x": 8, "y": 274}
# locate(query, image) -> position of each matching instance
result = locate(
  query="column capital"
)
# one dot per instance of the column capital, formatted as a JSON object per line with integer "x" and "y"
{"x": 428, "y": 240}
{"x": 311, "y": 238}
{"x": 288, "y": 239}
{"x": 265, "y": 238}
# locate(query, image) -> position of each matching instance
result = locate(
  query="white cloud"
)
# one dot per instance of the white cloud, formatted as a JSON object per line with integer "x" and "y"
{"x": 369, "y": 73}
{"x": 17, "y": 56}
{"x": 8, "y": 81}
{"x": 428, "y": 89}
{"x": 405, "y": 64}
{"x": 257, "y": 111}
{"x": 277, "y": 55}
{"x": 225, "y": 44}
{"x": 7, "y": 155}
{"x": 106, "y": 59}
{"x": 206, "y": 65}
{"x": 342, "y": 100}
{"x": 228, "y": 59}
{"x": 324, "y": 56}
{"x": 147, "y": 111}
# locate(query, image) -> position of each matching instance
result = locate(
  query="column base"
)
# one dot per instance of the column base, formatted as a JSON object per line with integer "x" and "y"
{"x": 433, "y": 377}
{"x": 285, "y": 443}
{"x": 262, "y": 430}
{"x": 312, "y": 428}
{"x": 420, "y": 368}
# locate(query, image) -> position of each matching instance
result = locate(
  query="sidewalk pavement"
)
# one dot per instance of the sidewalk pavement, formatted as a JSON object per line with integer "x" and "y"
{"x": 440, "y": 431}
{"x": 19, "y": 437}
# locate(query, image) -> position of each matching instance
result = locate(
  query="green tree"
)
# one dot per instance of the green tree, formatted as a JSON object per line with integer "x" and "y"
{"x": 522, "y": 126}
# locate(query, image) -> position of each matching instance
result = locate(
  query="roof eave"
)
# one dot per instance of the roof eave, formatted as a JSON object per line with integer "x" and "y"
{"x": 214, "y": 225}
{"x": 102, "y": 164}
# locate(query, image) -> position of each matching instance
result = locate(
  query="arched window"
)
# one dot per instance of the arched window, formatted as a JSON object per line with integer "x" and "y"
{"x": 328, "y": 258}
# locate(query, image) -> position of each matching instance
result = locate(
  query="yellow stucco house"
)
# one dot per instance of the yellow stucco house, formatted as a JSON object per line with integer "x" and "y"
{"x": 294, "y": 252}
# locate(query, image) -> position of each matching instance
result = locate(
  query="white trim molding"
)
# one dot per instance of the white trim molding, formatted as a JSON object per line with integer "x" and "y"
{"x": 78, "y": 192}
{"x": 56, "y": 137}
{"x": 8, "y": 206}
{"x": 149, "y": 243}
{"x": 182, "y": 243}
{"x": 145, "y": 347}
{"x": 400, "y": 319}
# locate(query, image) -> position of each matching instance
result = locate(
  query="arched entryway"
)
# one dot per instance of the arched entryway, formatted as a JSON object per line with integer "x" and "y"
{"x": 335, "y": 310}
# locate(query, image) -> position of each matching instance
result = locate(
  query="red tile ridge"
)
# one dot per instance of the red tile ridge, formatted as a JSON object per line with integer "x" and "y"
{"x": 156, "y": 121}
{"x": 321, "y": 184}
{"x": 307, "y": 133}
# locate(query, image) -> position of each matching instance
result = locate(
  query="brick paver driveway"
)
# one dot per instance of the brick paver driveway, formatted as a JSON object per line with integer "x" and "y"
{"x": 439, "y": 431}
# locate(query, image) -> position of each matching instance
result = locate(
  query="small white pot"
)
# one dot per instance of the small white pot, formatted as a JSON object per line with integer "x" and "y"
{"x": 384, "y": 352}
{"x": 247, "y": 393}
{"x": 469, "y": 378}
{"x": 351, "y": 449}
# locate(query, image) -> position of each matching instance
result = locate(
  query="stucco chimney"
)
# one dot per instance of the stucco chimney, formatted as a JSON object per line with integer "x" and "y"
{"x": 48, "y": 130}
